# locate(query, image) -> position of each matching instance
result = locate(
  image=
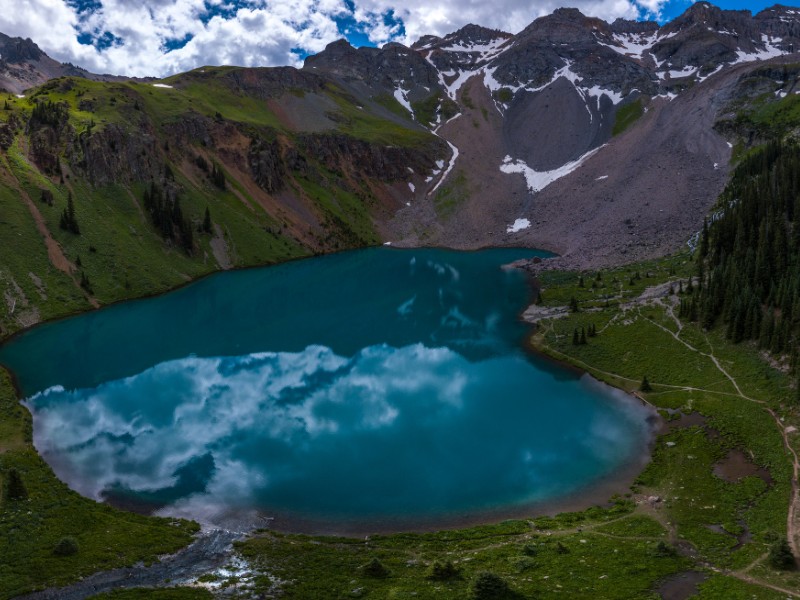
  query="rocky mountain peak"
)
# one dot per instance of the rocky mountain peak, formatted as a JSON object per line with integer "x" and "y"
{"x": 472, "y": 35}
{"x": 17, "y": 50}
{"x": 705, "y": 16}
{"x": 624, "y": 26}
{"x": 566, "y": 26}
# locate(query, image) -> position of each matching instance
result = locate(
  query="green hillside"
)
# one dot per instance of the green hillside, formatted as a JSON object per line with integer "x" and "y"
{"x": 279, "y": 161}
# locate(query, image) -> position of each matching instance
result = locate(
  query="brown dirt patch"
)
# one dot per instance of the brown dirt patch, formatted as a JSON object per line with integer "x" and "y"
{"x": 681, "y": 586}
{"x": 737, "y": 465}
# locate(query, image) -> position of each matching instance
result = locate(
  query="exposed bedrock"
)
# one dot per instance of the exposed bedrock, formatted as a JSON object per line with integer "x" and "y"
{"x": 556, "y": 125}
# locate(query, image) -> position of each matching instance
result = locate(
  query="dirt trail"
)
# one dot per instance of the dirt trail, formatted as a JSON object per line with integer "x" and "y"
{"x": 792, "y": 526}
{"x": 54, "y": 251}
{"x": 792, "y": 531}
{"x": 659, "y": 295}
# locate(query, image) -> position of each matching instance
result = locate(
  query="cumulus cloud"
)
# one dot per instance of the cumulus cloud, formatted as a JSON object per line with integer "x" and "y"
{"x": 386, "y": 432}
{"x": 162, "y": 37}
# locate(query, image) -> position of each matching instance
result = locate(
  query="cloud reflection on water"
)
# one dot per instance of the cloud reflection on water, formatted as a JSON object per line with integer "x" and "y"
{"x": 390, "y": 431}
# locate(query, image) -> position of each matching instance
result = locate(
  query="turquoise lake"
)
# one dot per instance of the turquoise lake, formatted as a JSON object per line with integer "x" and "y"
{"x": 369, "y": 390}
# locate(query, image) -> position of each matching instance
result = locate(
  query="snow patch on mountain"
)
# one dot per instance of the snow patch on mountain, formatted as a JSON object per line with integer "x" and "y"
{"x": 632, "y": 45}
{"x": 485, "y": 51}
{"x": 518, "y": 225}
{"x": 450, "y": 166}
{"x": 538, "y": 180}
{"x": 402, "y": 97}
{"x": 770, "y": 50}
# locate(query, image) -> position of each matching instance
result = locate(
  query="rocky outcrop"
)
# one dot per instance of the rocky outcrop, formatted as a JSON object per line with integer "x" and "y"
{"x": 345, "y": 154}
{"x": 115, "y": 155}
{"x": 624, "y": 26}
{"x": 266, "y": 83}
{"x": 266, "y": 164}
{"x": 17, "y": 50}
{"x": 783, "y": 23}
{"x": 377, "y": 71}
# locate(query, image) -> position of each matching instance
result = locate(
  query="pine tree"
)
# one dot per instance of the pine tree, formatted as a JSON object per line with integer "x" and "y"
{"x": 207, "y": 221}
{"x": 218, "y": 176}
{"x": 66, "y": 546}
{"x": 575, "y": 338}
{"x": 375, "y": 569}
{"x": 573, "y": 305}
{"x": 704, "y": 241}
{"x": 68, "y": 220}
{"x": 85, "y": 283}
{"x": 488, "y": 586}
{"x": 583, "y": 336}
{"x": 645, "y": 385}
{"x": 445, "y": 571}
{"x": 780, "y": 556}
{"x": 15, "y": 487}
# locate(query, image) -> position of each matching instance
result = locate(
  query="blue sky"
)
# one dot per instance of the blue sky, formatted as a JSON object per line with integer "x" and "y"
{"x": 162, "y": 37}
{"x": 676, "y": 7}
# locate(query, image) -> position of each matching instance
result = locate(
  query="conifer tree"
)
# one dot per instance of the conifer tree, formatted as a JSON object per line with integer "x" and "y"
{"x": 218, "y": 176}
{"x": 575, "y": 338}
{"x": 207, "y": 221}
{"x": 780, "y": 556}
{"x": 68, "y": 220}
{"x": 583, "y": 336}
{"x": 15, "y": 487}
{"x": 645, "y": 385}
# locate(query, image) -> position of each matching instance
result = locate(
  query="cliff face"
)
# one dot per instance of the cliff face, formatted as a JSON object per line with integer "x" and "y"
{"x": 571, "y": 96}
{"x": 124, "y": 188}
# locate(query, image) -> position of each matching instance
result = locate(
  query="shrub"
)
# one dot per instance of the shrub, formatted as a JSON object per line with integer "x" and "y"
{"x": 664, "y": 550}
{"x": 66, "y": 546}
{"x": 780, "y": 556}
{"x": 444, "y": 571}
{"x": 505, "y": 95}
{"x": 375, "y": 569}
{"x": 488, "y": 586}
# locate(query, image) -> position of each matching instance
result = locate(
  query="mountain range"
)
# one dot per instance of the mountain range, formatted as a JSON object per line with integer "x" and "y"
{"x": 604, "y": 143}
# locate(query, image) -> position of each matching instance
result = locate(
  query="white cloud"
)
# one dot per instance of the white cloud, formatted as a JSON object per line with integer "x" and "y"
{"x": 422, "y": 17}
{"x": 260, "y": 32}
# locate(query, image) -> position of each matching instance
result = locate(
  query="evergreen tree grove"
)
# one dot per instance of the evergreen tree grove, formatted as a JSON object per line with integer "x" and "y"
{"x": 167, "y": 216}
{"x": 749, "y": 258}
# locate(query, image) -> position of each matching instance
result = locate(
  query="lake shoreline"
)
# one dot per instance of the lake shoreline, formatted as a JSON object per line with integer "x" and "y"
{"x": 598, "y": 492}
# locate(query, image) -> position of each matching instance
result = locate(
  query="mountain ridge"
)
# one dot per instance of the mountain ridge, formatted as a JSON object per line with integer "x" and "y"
{"x": 602, "y": 142}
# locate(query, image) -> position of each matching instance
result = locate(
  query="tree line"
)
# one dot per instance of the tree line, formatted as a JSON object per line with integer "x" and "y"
{"x": 167, "y": 216}
{"x": 748, "y": 263}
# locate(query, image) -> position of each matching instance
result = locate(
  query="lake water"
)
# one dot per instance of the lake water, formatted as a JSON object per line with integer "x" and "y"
{"x": 368, "y": 390}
